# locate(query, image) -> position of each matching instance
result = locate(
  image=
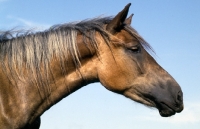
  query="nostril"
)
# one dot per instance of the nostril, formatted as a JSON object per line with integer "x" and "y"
{"x": 179, "y": 98}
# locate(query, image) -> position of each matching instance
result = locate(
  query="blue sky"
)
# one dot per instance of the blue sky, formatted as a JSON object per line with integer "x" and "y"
{"x": 172, "y": 27}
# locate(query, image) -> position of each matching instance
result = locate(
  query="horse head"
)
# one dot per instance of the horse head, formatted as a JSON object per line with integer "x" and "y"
{"x": 128, "y": 69}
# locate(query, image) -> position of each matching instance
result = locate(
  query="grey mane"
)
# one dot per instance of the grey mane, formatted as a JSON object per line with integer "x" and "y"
{"x": 17, "y": 45}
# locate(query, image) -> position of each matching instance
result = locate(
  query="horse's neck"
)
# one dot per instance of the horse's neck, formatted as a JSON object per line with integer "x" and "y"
{"x": 74, "y": 79}
{"x": 32, "y": 100}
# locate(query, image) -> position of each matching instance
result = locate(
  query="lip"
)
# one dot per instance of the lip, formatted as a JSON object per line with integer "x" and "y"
{"x": 165, "y": 110}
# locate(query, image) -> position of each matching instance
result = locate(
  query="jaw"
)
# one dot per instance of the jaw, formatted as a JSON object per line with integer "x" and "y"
{"x": 139, "y": 98}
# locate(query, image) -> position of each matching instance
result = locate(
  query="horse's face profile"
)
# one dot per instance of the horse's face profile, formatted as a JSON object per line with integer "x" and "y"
{"x": 125, "y": 67}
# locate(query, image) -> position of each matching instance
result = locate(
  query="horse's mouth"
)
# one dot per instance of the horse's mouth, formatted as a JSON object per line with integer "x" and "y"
{"x": 165, "y": 110}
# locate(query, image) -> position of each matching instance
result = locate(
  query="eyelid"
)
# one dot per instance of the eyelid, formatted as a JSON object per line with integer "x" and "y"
{"x": 134, "y": 47}
{"x": 130, "y": 45}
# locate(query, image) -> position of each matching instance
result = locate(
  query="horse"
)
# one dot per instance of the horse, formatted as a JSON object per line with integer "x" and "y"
{"x": 38, "y": 69}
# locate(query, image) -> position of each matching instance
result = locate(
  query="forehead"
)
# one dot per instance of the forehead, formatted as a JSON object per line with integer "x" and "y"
{"x": 129, "y": 34}
{"x": 126, "y": 37}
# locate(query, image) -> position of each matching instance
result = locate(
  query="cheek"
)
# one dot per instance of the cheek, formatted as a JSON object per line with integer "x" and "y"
{"x": 117, "y": 76}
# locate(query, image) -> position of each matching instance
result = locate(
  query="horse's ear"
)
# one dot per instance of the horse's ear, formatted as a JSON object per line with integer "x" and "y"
{"x": 118, "y": 21}
{"x": 129, "y": 20}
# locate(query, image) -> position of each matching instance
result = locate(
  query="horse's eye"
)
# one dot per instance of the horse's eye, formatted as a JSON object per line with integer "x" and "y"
{"x": 135, "y": 49}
